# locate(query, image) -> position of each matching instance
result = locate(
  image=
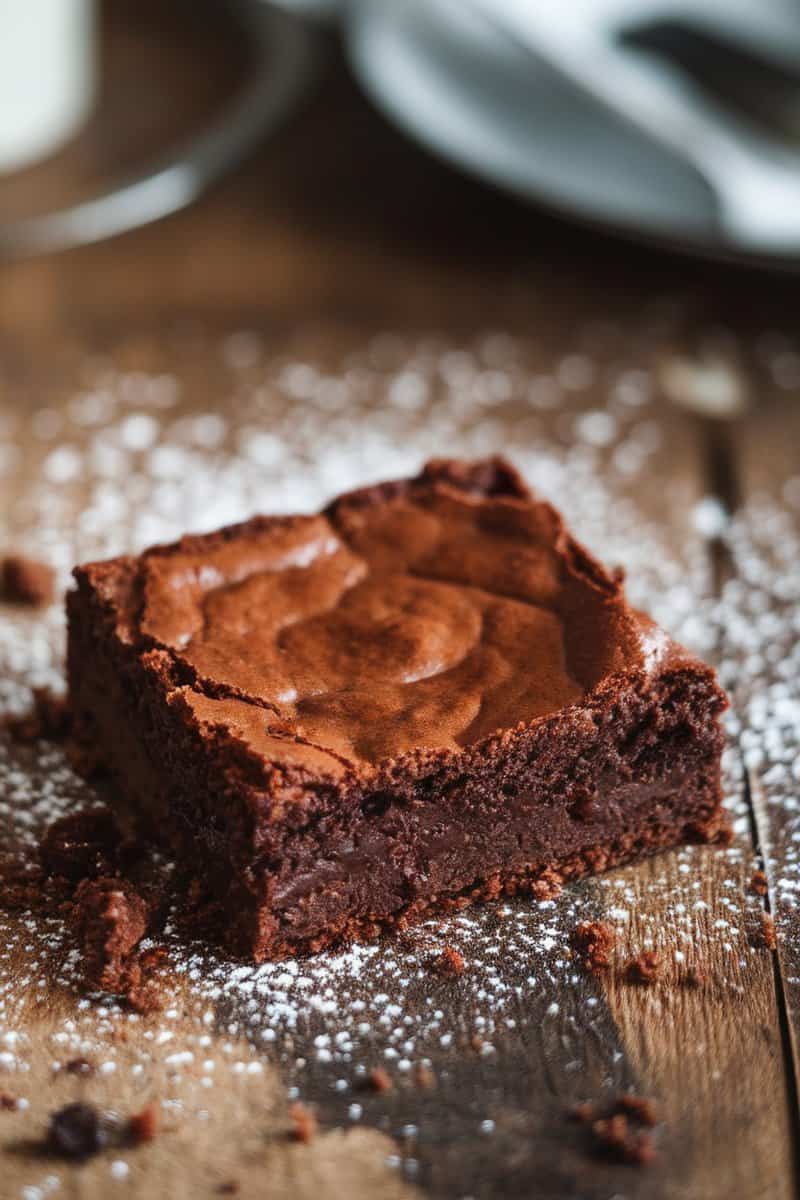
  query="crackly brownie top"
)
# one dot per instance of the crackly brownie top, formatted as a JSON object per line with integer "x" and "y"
{"x": 427, "y": 613}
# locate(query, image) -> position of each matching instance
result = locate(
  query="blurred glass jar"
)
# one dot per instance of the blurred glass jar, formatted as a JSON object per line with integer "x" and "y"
{"x": 47, "y": 76}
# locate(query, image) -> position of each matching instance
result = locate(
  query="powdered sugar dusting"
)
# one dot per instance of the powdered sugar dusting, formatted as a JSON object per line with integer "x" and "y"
{"x": 126, "y": 461}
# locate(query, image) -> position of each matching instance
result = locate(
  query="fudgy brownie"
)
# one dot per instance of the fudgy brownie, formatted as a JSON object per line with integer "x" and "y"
{"x": 427, "y": 694}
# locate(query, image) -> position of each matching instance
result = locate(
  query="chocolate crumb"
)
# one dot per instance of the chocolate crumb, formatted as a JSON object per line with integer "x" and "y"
{"x": 79, "y": 1066}
{"x": 614, "y": 1138}
{"x": 303, "y": 1123}
{"x": 379, "y": 1080}
{"x": 26, "y": 580}
{"x": 230, "y": 1187}
{"x": 593, "y": 942}
{"x": 143, "y": 996}
{"x": 695, "y": 977}
{"x": 8, "y": 1103}
{"x": 758, "y": 883}
{"x": 77, "y": 1131}
{"x": 22, "y": 886}
{"x": 449, "y": 962}
{"x": 767, "y": 933}
{"x": 619, "y": 1128}
{"x": 143, "y": 1126}
{"x": 110, "y": 918}
{"x": 645, "y": 968}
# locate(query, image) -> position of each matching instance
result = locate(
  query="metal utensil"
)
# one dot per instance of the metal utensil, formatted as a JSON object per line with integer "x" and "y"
{"x": 754, "y": 179}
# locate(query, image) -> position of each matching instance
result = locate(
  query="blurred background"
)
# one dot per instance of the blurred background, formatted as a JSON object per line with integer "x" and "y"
{"x": 232, "y": 195}
{"x": 668, "y": 122}
{"x": 218, "y": 193}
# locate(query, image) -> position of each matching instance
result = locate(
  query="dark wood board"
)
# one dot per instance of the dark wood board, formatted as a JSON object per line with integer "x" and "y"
{"x": 764, "y": 545}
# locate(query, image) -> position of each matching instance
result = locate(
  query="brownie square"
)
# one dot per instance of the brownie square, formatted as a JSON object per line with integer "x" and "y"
{"x": 425, "y": 695}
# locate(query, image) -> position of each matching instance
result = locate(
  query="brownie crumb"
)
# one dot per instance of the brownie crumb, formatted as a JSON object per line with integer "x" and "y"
{"x": 379, "y": 1080}
{"x": 78, "y": 1131}
{"x": 80, "y": 846}
{"x": 143, "y": 1126}
{"x": 424, "y": 1077}
{"x": 645, "y": 968}
{"x": 593, "y": 943}
{"x": 85, "y": 873}
{"x": 23, "y": 887}
{"x": 110, "y": 918}
{"x": 143, "y": 995}
{"x": 47, "y": 719}
{"x": 79, "y": 1066}
{"x": 230, "y": 1187}
{"x": 8, "y": 1102}
{"x": 695, "y": 977}
{"x": 303, "y": 1123}
{"x": 449, "y": 962}
{"x": 767, "y": 934}
{"x": 758, "y": 883}
{"x": 614, "y": 1138}
{"x": 26, "y": 580}
{"x": 619, "y": 1128}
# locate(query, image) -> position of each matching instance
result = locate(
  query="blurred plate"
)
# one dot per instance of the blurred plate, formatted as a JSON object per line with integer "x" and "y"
{"x": 187, "y": 89}
{"x": 477, "y": 100}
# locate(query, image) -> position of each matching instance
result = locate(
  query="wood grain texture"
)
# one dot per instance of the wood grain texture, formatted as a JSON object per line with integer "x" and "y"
{"x": 338, "y": 232}
{"x": 570, "y": 1037}
{"x": 243, "y": 1142}
{"x": 766, "y": 462}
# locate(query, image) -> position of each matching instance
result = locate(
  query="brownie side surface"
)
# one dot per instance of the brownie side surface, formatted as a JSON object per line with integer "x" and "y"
{"x": 302, "y": 839}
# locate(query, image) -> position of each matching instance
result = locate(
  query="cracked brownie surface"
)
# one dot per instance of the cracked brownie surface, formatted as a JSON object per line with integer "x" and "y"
{"x": 430, "y": 685}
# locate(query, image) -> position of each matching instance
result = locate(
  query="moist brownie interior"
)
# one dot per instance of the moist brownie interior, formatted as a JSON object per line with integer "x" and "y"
{"x": 428, "y": 693}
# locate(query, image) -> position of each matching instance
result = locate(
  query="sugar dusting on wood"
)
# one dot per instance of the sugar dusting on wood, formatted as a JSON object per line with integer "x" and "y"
{"x": 126, "y": 462}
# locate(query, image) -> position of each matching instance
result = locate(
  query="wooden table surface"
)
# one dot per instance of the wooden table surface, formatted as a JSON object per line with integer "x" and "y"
{"x": 344, "y": 303}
